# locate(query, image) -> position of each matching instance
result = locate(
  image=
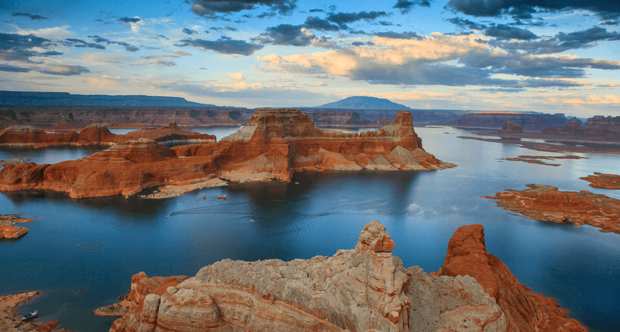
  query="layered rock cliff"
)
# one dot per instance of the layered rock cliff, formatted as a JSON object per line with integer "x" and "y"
{"x": 364, "y": 289}
{"x": 272, "y": 146}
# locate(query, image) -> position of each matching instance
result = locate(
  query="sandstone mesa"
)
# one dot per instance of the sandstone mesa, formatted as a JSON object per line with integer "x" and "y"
{"x": 547, "y": 203}
{"x": 95, "y": 135}
{"x": 271, "y": 147}
{"x": 363, "y": 289}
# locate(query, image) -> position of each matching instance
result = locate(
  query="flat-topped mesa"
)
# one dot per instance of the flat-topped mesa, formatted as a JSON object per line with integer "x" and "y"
{"x": 272, "y": 147}
{"x": 364, "y": 289}
{"x": 95, "y": 135}
{"x": 525, "y": 310}
{"x": 92, "y": 135}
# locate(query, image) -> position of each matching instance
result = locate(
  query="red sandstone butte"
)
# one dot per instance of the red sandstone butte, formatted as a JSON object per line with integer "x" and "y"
{"x": 603, "y": 181}
{"x": 547, "y": 203}
{"x": 525, "y": 310}
{"x": 271, "y": 147}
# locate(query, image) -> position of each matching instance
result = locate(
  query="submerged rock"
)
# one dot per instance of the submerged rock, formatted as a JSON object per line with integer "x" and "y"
{"x": 364, "y": 289}
{"x": 271, "y": 147}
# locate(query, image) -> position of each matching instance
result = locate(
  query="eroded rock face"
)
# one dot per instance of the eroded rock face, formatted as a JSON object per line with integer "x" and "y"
{"x": 603, "y": 181}
{"x": 364, "y": 289}
{"x": 525, "y": 310}
{"x": 547, "y": 203}
{"x": 271, "y": 147}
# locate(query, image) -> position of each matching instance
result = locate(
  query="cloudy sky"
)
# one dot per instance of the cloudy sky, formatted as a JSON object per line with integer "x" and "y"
{"x": 540, "y": 55}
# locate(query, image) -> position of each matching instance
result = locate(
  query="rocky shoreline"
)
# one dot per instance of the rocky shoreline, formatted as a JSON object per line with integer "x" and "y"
{"x": 548, "y": 204}
{"x": 10, "y": 320}
{"x": 363, "y": 289}
{"x": 273, "y": 146}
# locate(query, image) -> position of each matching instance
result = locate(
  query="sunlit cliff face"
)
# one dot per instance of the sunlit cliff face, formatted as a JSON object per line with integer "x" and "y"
{"x": 485, "y": 55}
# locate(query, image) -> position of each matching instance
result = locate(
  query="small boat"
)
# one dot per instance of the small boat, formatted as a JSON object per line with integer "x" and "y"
{"x": 30, "y": 315}
{"x": 221, "y": 197}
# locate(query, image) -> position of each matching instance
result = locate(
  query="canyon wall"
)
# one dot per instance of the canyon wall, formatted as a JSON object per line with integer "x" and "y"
{"x": 363, "y": 289}
{"x": 272, "y": 146}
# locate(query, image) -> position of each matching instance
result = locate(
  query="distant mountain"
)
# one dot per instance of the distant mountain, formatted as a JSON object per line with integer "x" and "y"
{"x": 64, "y": 99}
{"x": 364, "y": 103}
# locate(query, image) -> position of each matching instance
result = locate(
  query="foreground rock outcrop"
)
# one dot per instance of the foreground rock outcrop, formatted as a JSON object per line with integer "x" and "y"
{"x": 603, "y": 180}
{"x": 547, "y": 203}
{"x": 272, "y": 146}
{"x": 525, "y": 310}
{"x": 94, "y": 135}
{"x": 364, "y": 289}
{"x": 9, "y": 229}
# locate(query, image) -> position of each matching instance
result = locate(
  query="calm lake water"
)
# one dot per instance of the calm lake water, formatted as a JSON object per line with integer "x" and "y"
{"x": 82, "y": 253}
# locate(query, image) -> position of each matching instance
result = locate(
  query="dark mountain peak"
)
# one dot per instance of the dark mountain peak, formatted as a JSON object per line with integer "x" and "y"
{"x": 365, "y": 103}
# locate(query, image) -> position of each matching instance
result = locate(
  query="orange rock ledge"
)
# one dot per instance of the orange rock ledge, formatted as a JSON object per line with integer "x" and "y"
{"x": 603, "y": 181}
{"x": 547, "y": 203}
{"x": 271, "y": 147}
{"x": 363, "y": 289}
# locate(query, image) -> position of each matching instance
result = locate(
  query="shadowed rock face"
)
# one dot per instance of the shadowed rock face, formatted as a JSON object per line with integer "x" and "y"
{"x": 547, "y": 203}
{"x": 272, "y": 146}
{"x": 525, "y": 310}
{"x": 364, "y": 289}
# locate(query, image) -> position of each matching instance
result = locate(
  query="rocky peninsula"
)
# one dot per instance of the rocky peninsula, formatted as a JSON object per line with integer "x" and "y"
{"x": 271, "y": 147}
{"x": 603, "y": 181}
{"x": 363, "y": 289}
{"x": 547, "y": 203}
